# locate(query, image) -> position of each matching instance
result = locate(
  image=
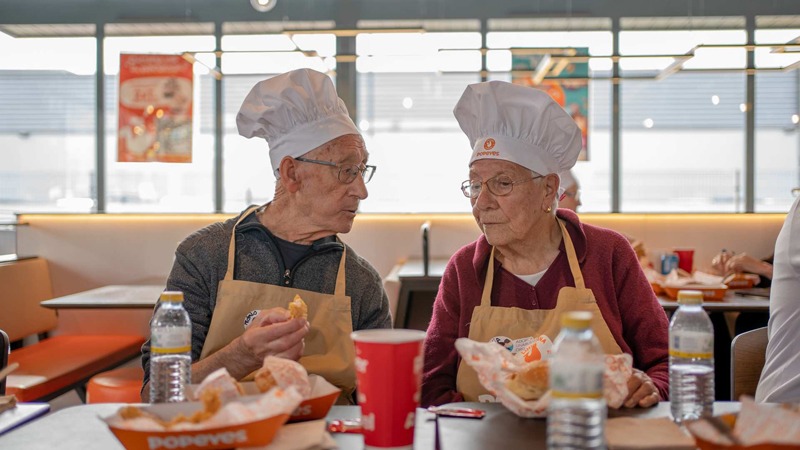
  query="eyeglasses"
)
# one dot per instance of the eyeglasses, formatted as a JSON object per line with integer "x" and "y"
{"x": 347, "y": 172}
{"x": 499, "y": 185}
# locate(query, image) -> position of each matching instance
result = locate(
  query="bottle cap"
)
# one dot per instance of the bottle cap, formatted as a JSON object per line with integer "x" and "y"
{"x": 576, "y": 319}
{"x": 690, "y": 298}
{"x": 172, "y": 296}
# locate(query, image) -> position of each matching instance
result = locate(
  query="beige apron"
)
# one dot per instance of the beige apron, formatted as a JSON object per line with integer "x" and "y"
{"x": 489, "y": 321}
{"x": 329, "y": 351}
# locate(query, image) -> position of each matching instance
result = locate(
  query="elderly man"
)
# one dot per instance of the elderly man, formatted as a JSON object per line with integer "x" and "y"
{"x": 238, "y": 276}
{"x": 533, "y": 261}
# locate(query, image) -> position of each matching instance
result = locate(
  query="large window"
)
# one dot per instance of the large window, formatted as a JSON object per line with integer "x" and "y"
{"x": 47, "y": 124}
{"x": 593, "y": 174}
{"x": 248, "y": 59}
{"x": 682, "y": 131}
{"x": 777, "y": 123}
{"x": 682, "y": 109}
{"x": 408, "y": 85}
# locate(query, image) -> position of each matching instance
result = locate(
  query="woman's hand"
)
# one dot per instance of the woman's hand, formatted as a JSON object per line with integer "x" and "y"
{"x": 641, "y": 391}
{"x": 746, "y": 263}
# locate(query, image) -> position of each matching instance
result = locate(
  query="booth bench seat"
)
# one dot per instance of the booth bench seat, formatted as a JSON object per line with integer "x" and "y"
{"x": 58, "y": 364}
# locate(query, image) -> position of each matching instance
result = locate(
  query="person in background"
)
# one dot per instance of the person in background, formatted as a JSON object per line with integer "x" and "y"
{"x": 238, "y": 276}
{"x": 534, "y": 261}
{"x": 726, "y": 263}
{"x": 570, "y": 199}
{"x": 571, "y": 196}
{"x": 780, "y": 378}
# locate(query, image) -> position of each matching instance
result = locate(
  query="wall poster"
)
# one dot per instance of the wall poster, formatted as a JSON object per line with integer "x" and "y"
{"x": 155, "y": 108}
{"x": 552, "y": 74}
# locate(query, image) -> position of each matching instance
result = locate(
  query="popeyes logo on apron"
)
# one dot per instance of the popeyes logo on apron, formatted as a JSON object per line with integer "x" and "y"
{"x": 527, "y": 349}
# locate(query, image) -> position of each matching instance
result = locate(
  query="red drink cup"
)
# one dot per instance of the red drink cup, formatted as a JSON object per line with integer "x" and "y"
{"x": 685, "y": 259}
{"x": 389, "y": 372}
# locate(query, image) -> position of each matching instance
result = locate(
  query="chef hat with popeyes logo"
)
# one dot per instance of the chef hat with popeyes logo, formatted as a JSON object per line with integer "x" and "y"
{"x": 295, "y": 112}
{"x": 519, "y": 124}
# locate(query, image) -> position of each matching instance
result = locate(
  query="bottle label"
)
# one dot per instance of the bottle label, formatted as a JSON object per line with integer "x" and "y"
{"x": 171, "y": 340}
{"x": 576, "y": 380}
{"x": 691, "y": 344}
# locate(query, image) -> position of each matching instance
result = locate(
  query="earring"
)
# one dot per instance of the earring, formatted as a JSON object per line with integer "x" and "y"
{"x": 549, "y": 208}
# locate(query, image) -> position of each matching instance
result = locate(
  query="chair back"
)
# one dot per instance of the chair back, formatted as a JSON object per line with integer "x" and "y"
{"x": 5, "y": 349}
{"x": 747, "y": 360}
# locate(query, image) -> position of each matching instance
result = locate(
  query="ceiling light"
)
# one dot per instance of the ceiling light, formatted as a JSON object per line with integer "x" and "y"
{"x": 408, "y": 103}
{"x": 263, "y": 5}
{"x": 648, "y": 123}
{"x": 743, "y": 107}
{"x": 795, "y": 119}
{"x": 715, "y": 99}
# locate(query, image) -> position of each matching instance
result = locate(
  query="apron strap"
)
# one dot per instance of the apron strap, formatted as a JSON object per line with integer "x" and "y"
{"x": 232, "y": 246}
{"x": 574, "y": 266}
{"x": 341, "y": 279}
{"x": 486, "y": 297}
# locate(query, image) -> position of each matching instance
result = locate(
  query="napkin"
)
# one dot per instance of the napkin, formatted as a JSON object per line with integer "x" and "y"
{"x": 310, "y": 435}
{"x": 630, "y": 433}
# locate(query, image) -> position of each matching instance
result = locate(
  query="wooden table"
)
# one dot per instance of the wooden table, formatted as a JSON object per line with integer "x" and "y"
{"x": 501, "y": 429}
{"x": 109, "y": 297}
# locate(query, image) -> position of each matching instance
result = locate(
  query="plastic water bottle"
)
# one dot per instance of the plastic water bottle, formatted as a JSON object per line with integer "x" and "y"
{"x": 576, "y": 417}
{"x": 170, "y": 350}
{"x": 691, "y": 359}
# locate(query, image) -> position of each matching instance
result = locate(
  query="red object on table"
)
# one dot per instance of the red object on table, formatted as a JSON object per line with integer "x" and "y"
{"x": 685, "y": 259}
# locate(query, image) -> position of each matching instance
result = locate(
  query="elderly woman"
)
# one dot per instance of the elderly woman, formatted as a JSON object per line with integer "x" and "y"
{"x": 571, "y": 196}
{"x": 534, "y": 261}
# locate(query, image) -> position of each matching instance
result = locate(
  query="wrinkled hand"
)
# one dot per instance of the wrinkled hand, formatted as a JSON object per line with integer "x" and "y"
{"x": 641, "y": 391}
{"x": 274, "y": 333}
{"x": 746, "y": 263}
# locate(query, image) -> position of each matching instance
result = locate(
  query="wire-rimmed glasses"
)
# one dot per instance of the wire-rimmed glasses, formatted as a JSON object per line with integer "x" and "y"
{"x": 347, "y": 172}
{"x": 499, "y": 185}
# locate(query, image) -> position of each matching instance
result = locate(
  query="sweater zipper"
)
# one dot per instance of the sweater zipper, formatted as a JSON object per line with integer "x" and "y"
{"x": 287, "y": 274}
{"x": 287, "y": 277}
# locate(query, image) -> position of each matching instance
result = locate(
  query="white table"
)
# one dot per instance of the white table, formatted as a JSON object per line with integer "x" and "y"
{"x": 109, "y": 297}
{"x": 22, "y": 413}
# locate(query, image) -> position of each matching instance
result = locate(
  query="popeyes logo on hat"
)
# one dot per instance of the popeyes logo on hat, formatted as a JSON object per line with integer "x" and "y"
{"x": 488, "y": 144}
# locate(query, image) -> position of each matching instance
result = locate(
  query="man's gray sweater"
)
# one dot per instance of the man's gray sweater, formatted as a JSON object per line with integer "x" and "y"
{"x": 201, "y": 261}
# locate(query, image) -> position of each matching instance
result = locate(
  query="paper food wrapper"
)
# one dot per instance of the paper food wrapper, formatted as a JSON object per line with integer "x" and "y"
{"x": 315, "y": 405}
{"x": 494, "y": 364}
{"x": 248, "y": 421}
{"x": 757, "y": 427}
{"x": 321, "y": 397}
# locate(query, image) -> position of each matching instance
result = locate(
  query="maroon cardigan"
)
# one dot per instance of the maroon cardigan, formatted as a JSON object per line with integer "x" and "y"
{"x": 610, "y": 269}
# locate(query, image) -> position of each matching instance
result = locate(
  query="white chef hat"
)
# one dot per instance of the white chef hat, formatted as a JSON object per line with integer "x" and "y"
{"x": 518, "y": 124}
{"x": 567, "y": 181}
{"x": 295, "y": 112}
